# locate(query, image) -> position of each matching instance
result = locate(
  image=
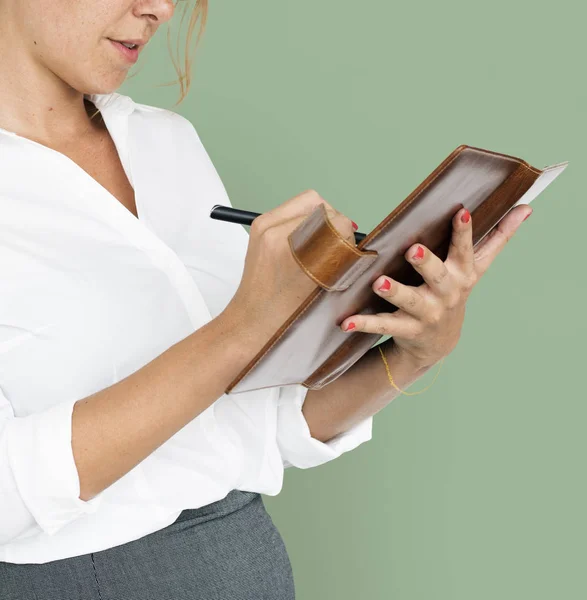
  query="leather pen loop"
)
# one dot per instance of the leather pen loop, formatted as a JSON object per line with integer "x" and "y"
{"x": 325, "y": 255}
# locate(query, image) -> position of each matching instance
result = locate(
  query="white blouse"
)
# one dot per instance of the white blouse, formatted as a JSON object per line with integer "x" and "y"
{"x": 88, "y": 295}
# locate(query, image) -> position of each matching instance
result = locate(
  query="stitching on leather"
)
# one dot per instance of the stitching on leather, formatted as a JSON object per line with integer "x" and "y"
{"x": 96, "y": 576}
{"x": 518, "y": 160}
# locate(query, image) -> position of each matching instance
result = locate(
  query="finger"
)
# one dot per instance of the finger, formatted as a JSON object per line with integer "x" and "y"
{"x": 405, "y": 297}
{"x": 460, "y": 252}
{"x": 343, "y": 225}
{"x": 397, "y": 324}
{"x": 432, "y": 269}
{"x": 496, "y": 240}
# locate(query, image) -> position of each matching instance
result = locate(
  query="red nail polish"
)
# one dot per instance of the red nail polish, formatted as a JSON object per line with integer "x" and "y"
{"x": 349, "y": 326}
{"x": 466, "y": 217}
{"x": 419, "y": 253}
{"x": 527, "y": 216}
{"x": 385, "y": 286}
{"x": 355, "y": 226}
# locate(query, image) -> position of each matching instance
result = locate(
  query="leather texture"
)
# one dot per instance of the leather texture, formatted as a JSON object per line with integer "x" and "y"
{"x": 310, "y": 348}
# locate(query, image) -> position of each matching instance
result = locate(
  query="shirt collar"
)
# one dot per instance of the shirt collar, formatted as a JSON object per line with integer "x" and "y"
{"x": 111, "y": 102}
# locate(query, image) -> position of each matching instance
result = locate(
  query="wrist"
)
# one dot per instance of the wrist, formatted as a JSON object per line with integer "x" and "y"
{"x": 407, "y": 360}
{"x": 245, "y": 337}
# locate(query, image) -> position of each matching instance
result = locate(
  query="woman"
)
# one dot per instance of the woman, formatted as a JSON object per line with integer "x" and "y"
{"x": 125, "y": 312}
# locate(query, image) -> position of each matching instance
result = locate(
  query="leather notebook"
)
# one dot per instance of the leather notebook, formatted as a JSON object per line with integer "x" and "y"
{"x": 310, "y": 348}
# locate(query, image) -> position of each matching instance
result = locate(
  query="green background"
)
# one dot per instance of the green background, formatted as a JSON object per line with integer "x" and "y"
{"x": 475, "y": 489}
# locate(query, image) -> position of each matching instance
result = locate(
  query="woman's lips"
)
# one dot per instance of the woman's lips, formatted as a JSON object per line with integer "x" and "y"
{"x": 127, "y": 53}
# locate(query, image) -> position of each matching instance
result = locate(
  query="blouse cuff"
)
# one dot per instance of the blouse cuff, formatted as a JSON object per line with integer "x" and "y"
{"x": 40, "y": 455}
{"x": 298, "y": 448}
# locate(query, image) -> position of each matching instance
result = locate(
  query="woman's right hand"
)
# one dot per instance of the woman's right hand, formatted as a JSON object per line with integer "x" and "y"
{"x": 273, "y": 284}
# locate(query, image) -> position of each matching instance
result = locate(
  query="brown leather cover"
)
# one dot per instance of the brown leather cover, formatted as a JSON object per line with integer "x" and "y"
{"x": 310, "y": 348}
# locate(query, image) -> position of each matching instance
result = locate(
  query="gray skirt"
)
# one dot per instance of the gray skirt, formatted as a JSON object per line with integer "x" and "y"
{"x": 227, "y": 550}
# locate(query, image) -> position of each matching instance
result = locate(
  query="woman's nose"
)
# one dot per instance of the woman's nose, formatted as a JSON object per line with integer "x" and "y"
{"x": 160, "y": 11}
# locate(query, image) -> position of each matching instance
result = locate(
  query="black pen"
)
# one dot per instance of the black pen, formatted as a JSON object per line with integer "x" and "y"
{"x": 246, "y": 217}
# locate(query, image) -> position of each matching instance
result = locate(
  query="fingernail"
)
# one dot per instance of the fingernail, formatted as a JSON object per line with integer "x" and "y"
{"x": 527, "y": 216}
{"x": 466, "y": 216}
{"x": 419, "y": 253}
{"x": 385, "y": 286}
{"x": 349, "y": 326}
{"x": 355, "y": 226}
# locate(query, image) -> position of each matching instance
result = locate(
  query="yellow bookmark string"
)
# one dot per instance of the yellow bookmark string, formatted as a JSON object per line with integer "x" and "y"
{"x": 393, "y": 383}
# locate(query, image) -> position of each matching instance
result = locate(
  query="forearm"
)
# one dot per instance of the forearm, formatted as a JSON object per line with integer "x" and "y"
{"x": 360, "y": 392}
{"x": 115, "y": 429}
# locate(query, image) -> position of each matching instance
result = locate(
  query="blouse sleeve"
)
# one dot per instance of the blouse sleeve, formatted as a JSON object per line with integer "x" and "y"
{"x": 39, "y": 483}
{"x": 298, "y": 448}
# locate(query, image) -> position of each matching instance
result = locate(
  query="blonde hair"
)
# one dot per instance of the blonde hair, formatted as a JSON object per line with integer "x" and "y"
{"x": 199, "y": 14}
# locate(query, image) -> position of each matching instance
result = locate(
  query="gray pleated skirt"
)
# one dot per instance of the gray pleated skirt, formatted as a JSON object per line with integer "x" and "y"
{"x": 227, "y": 550}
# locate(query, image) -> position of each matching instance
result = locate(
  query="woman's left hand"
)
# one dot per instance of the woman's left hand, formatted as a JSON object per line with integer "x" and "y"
{"x": 428, "y": 325}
